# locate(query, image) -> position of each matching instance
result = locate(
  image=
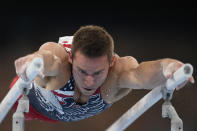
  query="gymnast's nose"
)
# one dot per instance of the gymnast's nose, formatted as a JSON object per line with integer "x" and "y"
{"x": 89, "y": 81}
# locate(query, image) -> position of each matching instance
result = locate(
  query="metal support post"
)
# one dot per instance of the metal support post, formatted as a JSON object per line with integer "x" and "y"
{"x": 23, "y": 107}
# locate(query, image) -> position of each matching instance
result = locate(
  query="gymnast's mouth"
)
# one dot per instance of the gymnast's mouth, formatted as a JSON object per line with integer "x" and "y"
{"x": 87, "y": 89}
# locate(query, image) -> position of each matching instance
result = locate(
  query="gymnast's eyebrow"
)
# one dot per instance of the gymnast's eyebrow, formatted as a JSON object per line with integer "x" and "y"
{"x": 85, "y": 72}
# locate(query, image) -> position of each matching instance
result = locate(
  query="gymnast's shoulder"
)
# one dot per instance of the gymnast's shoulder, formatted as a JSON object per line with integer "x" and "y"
{"x": 122, "y": 64}
{"x": 55, "y": 48}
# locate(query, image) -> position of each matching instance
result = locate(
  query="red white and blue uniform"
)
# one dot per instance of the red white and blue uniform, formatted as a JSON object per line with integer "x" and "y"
{"x": 59, "y": 105}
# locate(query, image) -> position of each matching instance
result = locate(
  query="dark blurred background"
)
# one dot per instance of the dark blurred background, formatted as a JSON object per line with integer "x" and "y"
{"x": 148, "y": 32}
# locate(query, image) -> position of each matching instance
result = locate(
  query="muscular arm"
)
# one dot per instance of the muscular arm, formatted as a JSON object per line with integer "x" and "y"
{"x": 149, "y": 74}
{"x": 127, "y": 74}
{"x": 53, "y": 55}
{"x": 56, "y": 71}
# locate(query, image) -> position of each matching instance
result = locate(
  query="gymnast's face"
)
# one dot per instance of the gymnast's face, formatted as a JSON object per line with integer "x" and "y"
{"x": 89, "y": 73}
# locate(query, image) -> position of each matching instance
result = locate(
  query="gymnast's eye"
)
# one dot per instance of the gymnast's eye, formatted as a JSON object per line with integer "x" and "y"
{"x": 82, "y": 72}
{"x": 97, "y": 73}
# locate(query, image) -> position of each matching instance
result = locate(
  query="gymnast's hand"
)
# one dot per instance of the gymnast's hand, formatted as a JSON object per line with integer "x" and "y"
{"x": 21, "y": 65}
{"x": 170, "y": 66}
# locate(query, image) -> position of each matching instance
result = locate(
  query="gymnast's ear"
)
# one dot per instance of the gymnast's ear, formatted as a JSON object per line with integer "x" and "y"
{"x": 112, "y": 61}
{"x": 70, "y": 59}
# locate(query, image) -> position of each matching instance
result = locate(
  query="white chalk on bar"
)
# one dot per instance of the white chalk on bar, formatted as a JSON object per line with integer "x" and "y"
{"x": 150, "y": 99}
{"x": 32, "y": 71}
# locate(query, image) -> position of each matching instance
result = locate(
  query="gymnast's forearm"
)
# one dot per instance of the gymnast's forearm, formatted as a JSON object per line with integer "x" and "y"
{"x": 150, "y": 74}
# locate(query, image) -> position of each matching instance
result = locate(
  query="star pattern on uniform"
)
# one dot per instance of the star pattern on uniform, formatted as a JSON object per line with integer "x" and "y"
{"x": 69, "y": 85}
